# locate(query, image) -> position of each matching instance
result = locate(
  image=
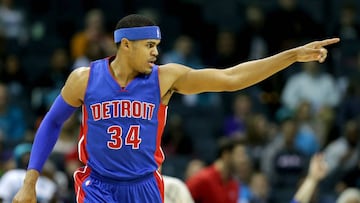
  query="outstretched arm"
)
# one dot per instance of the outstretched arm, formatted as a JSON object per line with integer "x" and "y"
{"x": 317, "y": 171}
{"x": 243, "y": 75}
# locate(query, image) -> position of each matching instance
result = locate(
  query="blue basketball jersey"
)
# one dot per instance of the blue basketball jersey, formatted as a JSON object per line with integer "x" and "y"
{"x": 121, "y": 127}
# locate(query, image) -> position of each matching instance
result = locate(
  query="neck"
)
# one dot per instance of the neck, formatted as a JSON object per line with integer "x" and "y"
{"x": 122, "y": 71}
{"x": 223, "y": 169}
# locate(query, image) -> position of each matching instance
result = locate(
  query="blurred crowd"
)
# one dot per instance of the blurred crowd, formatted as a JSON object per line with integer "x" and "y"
{"x": 283, "y": 121}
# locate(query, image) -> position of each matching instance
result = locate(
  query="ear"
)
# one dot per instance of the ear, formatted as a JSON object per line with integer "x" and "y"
{"x": 125, "y": 42}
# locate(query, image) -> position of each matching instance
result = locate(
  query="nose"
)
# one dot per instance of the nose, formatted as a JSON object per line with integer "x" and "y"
{"x": 155, "y": 52}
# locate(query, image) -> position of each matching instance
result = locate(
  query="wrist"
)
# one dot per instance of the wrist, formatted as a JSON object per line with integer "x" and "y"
{"x": 31, "y": 177}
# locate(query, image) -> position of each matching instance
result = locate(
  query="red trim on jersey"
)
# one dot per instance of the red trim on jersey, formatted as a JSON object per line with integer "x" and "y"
{"x": 159, "y": 154}
{"x": 160, "y": 182}
{"x": 80, "y": 175}
{"x": 83, "y": 156}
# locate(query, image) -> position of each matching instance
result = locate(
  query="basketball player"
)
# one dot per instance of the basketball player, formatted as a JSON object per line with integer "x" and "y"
{"x": 124, "y": 103}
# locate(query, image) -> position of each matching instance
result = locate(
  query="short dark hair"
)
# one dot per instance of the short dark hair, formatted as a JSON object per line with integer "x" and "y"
{"x": 134, "y": 20}
{"x": 227, "y": 144}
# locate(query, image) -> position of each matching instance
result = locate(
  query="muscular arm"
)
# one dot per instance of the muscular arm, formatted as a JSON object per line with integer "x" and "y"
{"x": 190, "y": 81}
{"x": 48, "y": 132}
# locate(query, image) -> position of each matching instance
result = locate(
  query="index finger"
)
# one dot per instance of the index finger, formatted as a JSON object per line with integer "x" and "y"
{"x": 328, "y": 41}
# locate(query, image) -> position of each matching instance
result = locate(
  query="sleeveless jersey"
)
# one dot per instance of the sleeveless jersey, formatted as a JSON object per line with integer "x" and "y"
{"x": 121, "y": 127}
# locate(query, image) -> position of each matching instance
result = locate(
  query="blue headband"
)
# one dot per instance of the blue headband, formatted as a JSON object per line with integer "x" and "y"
{"x": 137, "y": 33}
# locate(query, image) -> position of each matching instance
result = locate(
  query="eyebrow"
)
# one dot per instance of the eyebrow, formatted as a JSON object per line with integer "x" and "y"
{"x": 152, "y": 42}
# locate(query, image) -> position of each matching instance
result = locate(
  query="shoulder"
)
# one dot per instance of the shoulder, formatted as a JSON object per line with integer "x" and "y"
{"x": 170, "y": 72}
{"x": 204, "y": 174}
{"x": 75, "y": 86}
{"x": 79, "y": 75}
{"x": 174, "y": 69}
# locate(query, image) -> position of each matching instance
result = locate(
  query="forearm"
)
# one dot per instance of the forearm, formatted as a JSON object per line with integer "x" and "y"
{"x": 246, "y": 74}
{"x": 48, "y": 133}
{"x": 306, "y": 190}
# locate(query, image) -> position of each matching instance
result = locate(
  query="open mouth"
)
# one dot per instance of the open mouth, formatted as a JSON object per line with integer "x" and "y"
{"x": 152, "y": 62}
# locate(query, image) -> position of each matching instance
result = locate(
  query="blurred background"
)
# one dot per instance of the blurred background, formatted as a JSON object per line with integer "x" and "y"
{"x": 288, "y": 117}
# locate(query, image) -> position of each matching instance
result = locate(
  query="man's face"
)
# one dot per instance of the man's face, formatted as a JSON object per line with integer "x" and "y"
{"x": 144, "y": 54}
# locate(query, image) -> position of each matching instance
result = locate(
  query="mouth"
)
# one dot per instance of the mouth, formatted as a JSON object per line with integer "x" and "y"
{"x": 152, "y": 62}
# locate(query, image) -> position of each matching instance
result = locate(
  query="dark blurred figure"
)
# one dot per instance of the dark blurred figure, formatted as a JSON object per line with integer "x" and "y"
{"x": 288, "y": 24}
{"x": 48, "y": 84}
{"x": 226, "y": 51}
{"x": 258, "y": 134}
{"x": 93, "y": 52}
{"x": 176, "y": 141}
{"x": 94, "y": 30}
{"x": 253, "y": 34}
{"x": 347, "y": 26}
{"x": 342, "y": 156}
{"x": 13, "y": 25}
{"x": 235, "y": 123}
{"x": 12, "y": 119}
{"x": 14, "y": 77}
{"x": 283, "y": 163}
{"x": 12, "y": 180}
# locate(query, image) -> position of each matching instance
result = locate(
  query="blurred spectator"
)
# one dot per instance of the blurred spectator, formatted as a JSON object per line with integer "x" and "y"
{"x": 216, "y": 183}
{"x": 309, "y": 138}
{"x": 227, "y": 53}
{"x": 260, "y": 189}
{"x": 235, "y": 124}
{"x": 349, "y": 107}
{"x": 259, "y": 132}
{"x": 12, "y": 121}
{"x": 184, "y": 52}
{"x": 312, "y": 85}
{"x": 71, "y": 163}
{"x": 176, "y": 141}
{"x": 93, "y": 52}
{"x": 252, "y": 34}
{"x": 343, "y": 154}
{"x": 94, "y": 31}
{"x": 12, "y": 180}
{"x": 347, "y": 26}
{"x": 350, "y": 195}
{"x": 13, "y": 24}
{"x": 283, "y": 163}
{"x": 287, "y": 24}
{"x": 194, "y": 166}
{"x": 13, "y": 75}
{"x": 298, "y": 23}
{"x": 176, "y": 191}
{"x": 243, "y": 172}
{"x": 48, "y": 85}
{"x": 351, "y": 178}
{"x": 317, "y": 170}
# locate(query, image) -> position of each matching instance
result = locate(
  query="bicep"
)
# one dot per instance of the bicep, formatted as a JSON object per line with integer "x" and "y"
{"x": 203, "y": 80}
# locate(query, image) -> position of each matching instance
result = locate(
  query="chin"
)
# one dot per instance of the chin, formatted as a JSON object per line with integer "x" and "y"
{"x": 147, "y": 71}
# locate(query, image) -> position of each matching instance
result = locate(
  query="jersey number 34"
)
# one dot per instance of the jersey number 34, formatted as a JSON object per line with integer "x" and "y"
{"x": 132, "y": 137}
